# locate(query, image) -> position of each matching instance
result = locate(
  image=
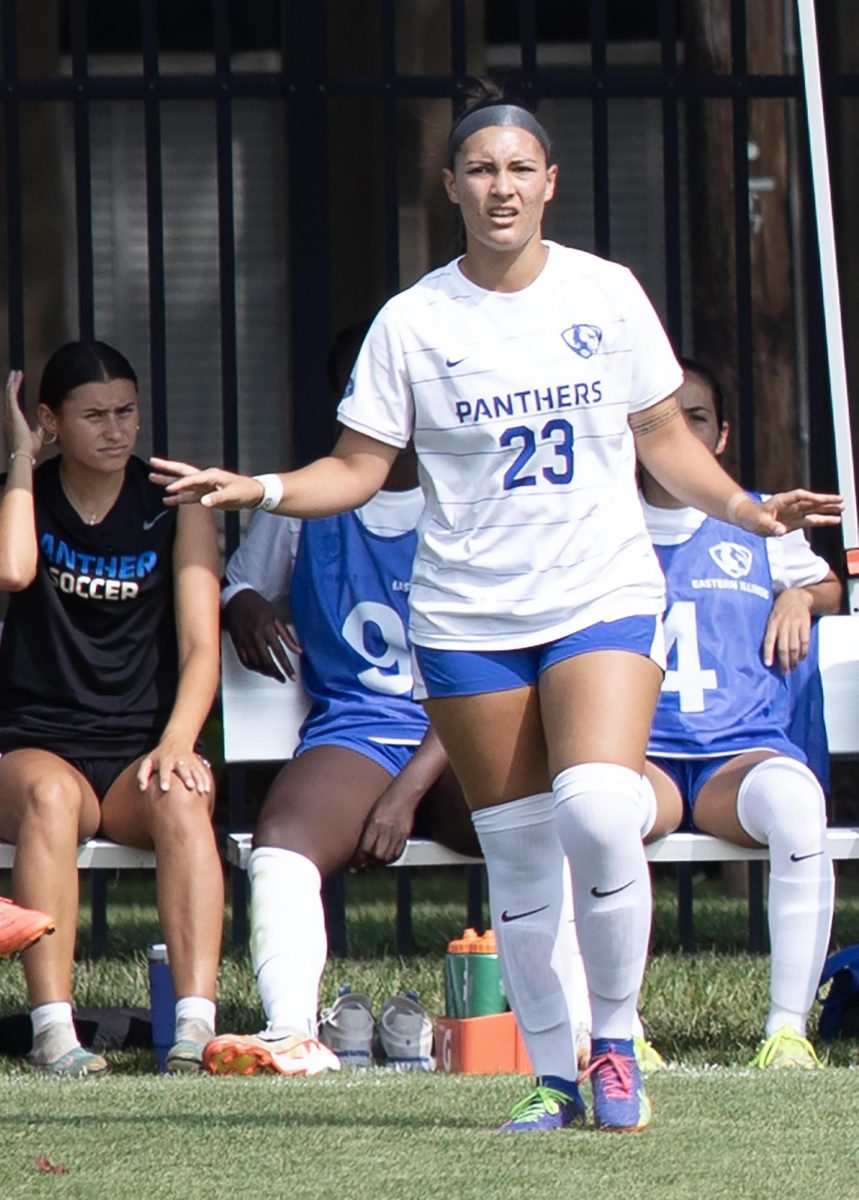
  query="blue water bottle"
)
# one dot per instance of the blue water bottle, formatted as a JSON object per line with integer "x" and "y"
{"x": 162, "y": 1002}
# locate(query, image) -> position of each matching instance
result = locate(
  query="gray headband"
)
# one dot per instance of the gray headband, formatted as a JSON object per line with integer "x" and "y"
{"x": 496, "y": 114}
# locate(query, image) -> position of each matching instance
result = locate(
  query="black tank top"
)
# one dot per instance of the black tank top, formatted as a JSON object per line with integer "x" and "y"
{"x": 88, "y": 656}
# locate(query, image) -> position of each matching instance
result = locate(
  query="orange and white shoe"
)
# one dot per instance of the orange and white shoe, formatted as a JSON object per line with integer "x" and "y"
{"x": 21, "y": 927}
{"x": 274, "y": 1052}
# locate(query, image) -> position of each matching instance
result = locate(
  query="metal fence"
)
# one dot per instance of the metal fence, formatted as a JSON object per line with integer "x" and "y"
{"x": 152, "y": 60}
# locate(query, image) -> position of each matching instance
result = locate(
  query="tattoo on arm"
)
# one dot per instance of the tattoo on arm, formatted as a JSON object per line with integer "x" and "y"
{"x": 654, "y": 418}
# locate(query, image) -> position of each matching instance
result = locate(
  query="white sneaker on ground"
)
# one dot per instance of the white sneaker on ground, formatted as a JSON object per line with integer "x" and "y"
{"x": 185, "y": 1056}
{"x": 274, "y": 1051}
{"x": 405, "y": 1034}
{"x": 56, "y": 1051}
{"x": 347, "y": 1028}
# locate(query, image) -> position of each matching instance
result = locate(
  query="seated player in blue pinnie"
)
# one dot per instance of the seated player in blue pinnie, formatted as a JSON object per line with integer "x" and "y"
{"x": 368, "y": 771}
{"x": 738, "y": 626}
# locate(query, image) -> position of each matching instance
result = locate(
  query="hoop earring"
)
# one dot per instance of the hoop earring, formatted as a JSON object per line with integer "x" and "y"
{"x": 49, "y": 439}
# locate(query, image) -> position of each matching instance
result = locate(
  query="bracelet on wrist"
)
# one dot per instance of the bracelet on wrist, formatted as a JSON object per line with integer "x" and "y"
{"x": 272, "y": 492}
{"x": 21, "y": 454}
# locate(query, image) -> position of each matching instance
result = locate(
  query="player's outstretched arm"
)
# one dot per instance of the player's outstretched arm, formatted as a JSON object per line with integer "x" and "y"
{"x": 346, "y": 479}
{"x": 687, "y": 469}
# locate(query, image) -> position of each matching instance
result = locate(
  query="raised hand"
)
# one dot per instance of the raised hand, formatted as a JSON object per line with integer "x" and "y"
{"x": 211, "y": 487}
{"x": 785, "y": 511}
{"x": 18, "y": 436}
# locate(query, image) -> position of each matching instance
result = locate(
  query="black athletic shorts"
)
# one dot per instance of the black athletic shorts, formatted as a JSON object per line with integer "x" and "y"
{"x": 100, "y": 773}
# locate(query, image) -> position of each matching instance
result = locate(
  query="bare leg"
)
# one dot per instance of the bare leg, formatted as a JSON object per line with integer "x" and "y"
{"x": 318, "y": 805}
{"x": 716, "y": 806}
{"x": 496, "y": 745}
{"x": 444, "y": 816}
{"x": 310, "y": 826}
{"x": 48, "y": 809}
{"x": 586, "y": 729}
{"x": 669, "y": 803}
{"x": 190, "y": 881}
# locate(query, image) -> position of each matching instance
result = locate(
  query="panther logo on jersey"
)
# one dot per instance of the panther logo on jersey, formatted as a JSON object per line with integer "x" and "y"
{"x": 583, "y": 340}
{"x": 734, "y": 560}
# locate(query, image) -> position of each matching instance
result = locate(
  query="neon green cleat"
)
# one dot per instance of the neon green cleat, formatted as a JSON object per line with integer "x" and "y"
{"x": 543, "y": 1110}
{"x": 648, "y": 1057}
{"x": 785, "y": 1048}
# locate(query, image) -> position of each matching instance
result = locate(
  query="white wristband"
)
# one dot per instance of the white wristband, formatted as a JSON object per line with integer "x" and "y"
{"x": 272, "y": 491}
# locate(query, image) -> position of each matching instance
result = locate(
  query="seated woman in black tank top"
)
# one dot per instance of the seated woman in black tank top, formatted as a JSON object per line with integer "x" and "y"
{"x": 108, "y": 668}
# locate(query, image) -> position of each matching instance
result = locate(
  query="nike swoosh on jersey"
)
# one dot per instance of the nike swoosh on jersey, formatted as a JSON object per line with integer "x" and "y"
{"x": 506, "y": 916}
{"x": 802, "y": 857}
{"x": 149, "y": 524}
{"x": 454, "y": 362}
{"x": 612, "y": 891}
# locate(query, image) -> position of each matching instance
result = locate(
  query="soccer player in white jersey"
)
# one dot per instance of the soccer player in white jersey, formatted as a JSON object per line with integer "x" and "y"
{"x": 738, "y": 623}
{"x": 527, "y": 374}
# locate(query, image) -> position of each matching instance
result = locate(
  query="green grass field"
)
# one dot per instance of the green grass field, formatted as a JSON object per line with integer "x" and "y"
{"x": 719, "y": 1131}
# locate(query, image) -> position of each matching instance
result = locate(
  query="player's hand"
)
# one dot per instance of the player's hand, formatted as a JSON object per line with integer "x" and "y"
{"x": 785, "y": 511}
{"x": 169, "y": 758}
{"x": 386, "y": 831}
{"x": 788, "y": 630}
{"x": 260, "y": 637}
{"x": 18, "y": 436}
{"x": 212, "y": 487}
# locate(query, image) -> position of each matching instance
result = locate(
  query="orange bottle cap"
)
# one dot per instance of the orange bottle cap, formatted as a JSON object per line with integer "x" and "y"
{"x": 472, "y": 942}
{"x": 485, "y": 944}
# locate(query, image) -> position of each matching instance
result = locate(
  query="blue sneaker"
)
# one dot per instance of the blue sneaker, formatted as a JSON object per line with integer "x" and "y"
{"x": 619, "y": 1100}
{"x": 544, "y": 1109}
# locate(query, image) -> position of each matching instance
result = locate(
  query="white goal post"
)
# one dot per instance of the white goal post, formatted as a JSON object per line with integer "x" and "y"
{"x": 831, "y": 294}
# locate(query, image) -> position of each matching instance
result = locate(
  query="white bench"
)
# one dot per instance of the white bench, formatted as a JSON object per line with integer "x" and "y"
{"x": 97, "y": 856}
{"x": 676, "y": 848}
{"x": 262, "y": 717}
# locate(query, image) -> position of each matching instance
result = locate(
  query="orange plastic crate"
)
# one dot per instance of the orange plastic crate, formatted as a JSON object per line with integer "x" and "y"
{"x": 489, "y": 1045}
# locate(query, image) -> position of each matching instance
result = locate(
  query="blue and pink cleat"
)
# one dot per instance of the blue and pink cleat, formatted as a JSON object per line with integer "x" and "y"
{"x": 619, "y": 1101}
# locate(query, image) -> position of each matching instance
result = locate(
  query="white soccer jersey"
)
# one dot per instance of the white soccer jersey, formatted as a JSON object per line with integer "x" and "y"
{"x": 518, "y": 405}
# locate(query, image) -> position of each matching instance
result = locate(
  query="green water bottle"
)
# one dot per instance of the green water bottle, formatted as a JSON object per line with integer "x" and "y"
{"x": 472, "y": 976}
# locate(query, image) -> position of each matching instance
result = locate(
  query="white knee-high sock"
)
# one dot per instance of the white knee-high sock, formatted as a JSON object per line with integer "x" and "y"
{"x": 526, "y": 868}
{"x": 600, "y": 813}
{"x": 570, "y": 967}
{"x": 288, "y": 941}
{"x": 780, "y": 803}
{"x": 576, "y": 982}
